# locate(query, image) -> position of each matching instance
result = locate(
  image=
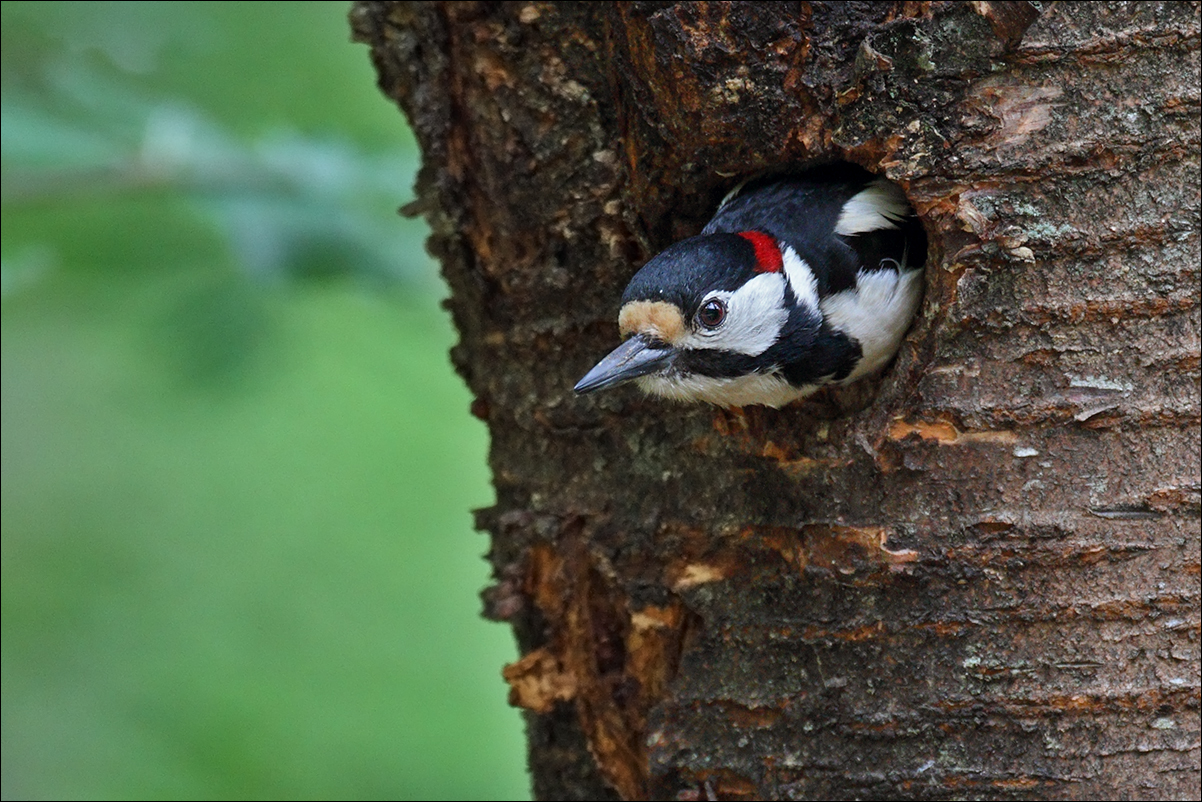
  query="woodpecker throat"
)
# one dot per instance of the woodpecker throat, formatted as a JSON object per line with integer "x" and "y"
{"x": 797, "y": 282}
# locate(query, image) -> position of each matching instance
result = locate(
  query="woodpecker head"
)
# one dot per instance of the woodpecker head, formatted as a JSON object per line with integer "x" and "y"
{"x": 707, "y": 318}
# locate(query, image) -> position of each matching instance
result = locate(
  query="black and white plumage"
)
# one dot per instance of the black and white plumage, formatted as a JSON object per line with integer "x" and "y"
{"x": 797, "y": 282}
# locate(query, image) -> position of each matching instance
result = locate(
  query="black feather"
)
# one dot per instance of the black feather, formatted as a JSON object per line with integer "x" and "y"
{"x": 692, "y": 268}
{"x": 801, "y": 210}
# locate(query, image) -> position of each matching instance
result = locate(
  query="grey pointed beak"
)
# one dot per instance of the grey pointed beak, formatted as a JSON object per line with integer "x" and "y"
{"x": 633, "y": 358}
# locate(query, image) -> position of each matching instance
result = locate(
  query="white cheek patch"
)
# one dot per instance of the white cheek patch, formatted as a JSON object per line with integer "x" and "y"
{"x": 801, "y": 279}
{"x": 879, "y": 206}
{"x": 755, "y": 314}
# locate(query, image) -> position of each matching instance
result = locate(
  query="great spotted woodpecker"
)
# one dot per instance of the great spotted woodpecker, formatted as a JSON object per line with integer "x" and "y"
{"x": 797, "y": 282}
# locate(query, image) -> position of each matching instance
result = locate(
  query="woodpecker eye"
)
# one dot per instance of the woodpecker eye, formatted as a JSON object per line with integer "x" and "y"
{"x": 712, "y": 313}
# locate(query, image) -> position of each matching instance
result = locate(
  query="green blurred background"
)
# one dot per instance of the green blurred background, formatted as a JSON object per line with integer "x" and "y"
{"x": 237, "y": 467}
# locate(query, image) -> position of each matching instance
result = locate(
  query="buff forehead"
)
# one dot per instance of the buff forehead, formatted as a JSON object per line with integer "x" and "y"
{"x": 659, "y": 319}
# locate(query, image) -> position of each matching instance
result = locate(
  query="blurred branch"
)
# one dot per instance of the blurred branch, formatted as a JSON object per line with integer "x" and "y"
{"x": 288, "y": 204}
{"x": 24, "y": 186}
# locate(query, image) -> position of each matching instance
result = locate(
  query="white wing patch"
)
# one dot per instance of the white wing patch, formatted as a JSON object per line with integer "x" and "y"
{"x": 801, "y": 279}
{"x": 755, "y": 315}
{"x": 877, "y": 313}
{"x": 881, "y": 205}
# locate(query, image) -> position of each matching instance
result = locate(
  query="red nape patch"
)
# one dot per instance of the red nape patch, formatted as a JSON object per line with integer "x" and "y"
{"x": 767, "y": 252}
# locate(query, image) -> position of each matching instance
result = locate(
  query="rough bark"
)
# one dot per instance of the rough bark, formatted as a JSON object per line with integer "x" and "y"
{"x": 975, "y": 577}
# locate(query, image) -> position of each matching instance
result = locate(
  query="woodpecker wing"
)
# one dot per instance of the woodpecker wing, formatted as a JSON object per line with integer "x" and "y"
{"x": 858, "y": 248}
{"x": 838, "y": 219}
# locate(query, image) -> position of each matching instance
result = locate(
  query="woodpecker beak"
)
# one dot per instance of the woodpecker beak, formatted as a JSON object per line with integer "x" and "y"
{"x": 633, "y": 358}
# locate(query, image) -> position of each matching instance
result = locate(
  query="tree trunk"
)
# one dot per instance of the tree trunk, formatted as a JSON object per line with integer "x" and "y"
{"x": 975, "y": 577}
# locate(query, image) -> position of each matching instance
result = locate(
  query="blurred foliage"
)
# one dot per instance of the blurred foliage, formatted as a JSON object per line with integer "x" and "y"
{"x": 237, "y": 558}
